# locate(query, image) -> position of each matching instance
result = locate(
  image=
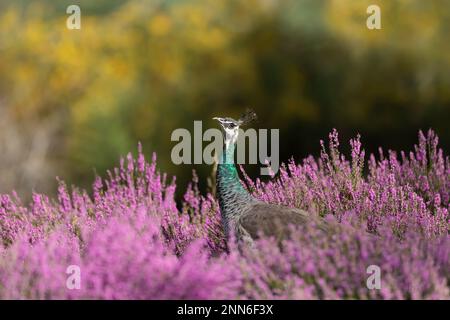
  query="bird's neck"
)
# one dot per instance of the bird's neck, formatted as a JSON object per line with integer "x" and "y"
{"x": 233, "y": 197}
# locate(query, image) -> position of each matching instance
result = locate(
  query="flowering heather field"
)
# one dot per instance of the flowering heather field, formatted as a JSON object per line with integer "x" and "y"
{"x": 132, "y": 242}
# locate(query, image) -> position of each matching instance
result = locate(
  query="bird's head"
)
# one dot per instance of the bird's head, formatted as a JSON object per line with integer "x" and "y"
{"x": 230, "y": 126}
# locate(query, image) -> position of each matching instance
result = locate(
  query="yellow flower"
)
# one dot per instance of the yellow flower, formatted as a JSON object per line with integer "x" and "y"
{"x": 160, "y": 25}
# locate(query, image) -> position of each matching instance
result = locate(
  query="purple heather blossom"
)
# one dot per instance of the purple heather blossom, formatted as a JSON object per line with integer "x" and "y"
{"x": 131, "y": 241}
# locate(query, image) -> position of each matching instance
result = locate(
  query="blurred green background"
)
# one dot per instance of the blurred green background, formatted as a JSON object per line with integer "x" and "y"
{"x": 73, "y": 101}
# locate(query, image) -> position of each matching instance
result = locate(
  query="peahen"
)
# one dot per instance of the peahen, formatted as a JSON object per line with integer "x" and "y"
{"x": 243, "y": 214}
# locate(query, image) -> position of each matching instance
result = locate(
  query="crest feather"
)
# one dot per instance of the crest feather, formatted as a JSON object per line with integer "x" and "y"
{"x": 248, "y": 116}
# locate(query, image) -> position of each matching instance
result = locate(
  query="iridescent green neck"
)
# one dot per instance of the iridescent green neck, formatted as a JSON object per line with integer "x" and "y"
{"x": 233, "y": 197}
{"x": 227, "y": 156}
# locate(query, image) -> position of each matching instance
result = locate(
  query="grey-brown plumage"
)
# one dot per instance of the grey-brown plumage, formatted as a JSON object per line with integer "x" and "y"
{"x": 242, "y": 214}
{"x": 272, "y": 220}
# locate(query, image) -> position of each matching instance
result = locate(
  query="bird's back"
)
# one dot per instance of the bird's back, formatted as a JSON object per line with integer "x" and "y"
{"x": 273, "y": 220}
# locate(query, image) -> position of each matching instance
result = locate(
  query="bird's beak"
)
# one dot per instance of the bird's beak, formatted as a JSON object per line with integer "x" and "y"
{"x": 217, "y": 118}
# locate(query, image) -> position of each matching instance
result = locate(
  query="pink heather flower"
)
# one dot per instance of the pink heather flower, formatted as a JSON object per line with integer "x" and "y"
{"x": 131, "y": 241}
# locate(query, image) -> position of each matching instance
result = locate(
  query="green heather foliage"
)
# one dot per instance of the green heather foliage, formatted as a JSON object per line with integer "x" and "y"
{"x": 132, "y": 242}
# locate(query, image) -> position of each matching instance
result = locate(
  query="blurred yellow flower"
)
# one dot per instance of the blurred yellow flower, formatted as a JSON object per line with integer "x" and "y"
{"x": 160, "y": 25}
